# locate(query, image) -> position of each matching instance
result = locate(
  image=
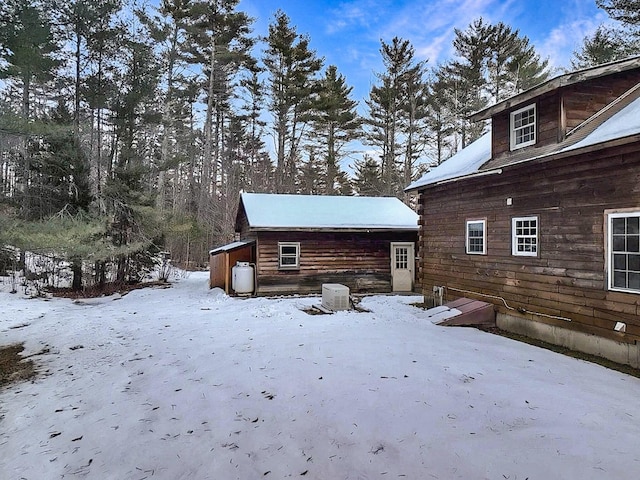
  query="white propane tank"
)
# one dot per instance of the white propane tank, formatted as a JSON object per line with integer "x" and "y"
{"x": 242, "y": 278}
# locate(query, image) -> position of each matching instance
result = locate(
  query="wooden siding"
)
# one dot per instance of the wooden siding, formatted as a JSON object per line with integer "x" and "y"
{"x": 359, "y": 260}
{"x": 582, "y": 100}
{"x": 221, "y": 264}
{"x": 568, "y": 277}
{"x": 242, "y": 225}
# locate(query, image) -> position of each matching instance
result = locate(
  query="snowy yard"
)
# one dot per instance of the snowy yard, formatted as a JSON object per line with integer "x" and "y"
{"x": 187, "y": 383}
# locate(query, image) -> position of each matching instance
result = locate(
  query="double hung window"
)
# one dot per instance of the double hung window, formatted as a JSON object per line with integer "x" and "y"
{"x": 524, "y": 236}
{"x": 523, "y": 127}
{"x": 289, "y": 255}
{"x": 476, "y": 237}
{"x": 624, "y": 251}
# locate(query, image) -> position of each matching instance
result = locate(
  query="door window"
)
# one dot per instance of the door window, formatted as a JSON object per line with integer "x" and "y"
{"x": 402, "y": 258}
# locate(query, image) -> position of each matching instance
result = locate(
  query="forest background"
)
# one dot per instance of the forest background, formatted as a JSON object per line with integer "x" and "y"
{"x": 128, "y": 129}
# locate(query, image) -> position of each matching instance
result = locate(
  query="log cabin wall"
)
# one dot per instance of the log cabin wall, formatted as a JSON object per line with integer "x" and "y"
{"x": 568, "y": 277}
{"x": 359, "y": 260}
{"x": 242, "y": 225}
{"x": 582, "y": 100}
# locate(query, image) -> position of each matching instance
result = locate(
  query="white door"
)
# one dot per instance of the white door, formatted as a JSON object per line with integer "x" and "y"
{"x": 402, "y": 266}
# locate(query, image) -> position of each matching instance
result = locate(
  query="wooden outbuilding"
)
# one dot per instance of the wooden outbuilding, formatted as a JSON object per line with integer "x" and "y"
{"x": 541, "y": 215}
{"x": 296, "y": 243}
{"x": 222, "y": 260}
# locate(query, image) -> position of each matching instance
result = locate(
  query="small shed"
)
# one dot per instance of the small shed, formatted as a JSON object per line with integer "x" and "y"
{"x": 222, "y": 260}
{"x": 298, "y": 242}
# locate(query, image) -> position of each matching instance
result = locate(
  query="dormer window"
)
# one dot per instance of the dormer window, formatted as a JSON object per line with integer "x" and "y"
{"x": 523, "y": 127}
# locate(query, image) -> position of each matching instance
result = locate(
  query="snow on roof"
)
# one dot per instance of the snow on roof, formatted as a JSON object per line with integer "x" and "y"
{"x": 623, "y": 124}
{"x": 231, "y": 246}
{"x": 330, "y": 212}
{"x": 465, "y": 162}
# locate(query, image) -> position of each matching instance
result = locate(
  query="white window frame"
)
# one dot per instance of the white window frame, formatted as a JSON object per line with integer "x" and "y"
{"x": 515, "y": 237}
{"x": 514, "y": 129}
{"x": 468, "y": 249}
{"x": 281, "y": 256}
{"x": 626, "y": 252}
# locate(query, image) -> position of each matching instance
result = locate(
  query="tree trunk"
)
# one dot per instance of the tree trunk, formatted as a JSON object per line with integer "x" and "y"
{"x": 76, "y": 269}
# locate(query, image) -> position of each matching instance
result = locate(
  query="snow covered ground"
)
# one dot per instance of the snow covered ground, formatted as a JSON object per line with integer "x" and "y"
{"x": 187, "y": 383}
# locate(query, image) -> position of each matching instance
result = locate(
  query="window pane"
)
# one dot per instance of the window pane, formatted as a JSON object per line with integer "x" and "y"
{"x": 402, "y": 257}
{"x": 619, "y": 244}
{"x": 618, "y": 225}
{"x": 634, "y": 263}
{"x": 633, "y": 227}
{"x": 619, "y": 279}
{"x": 288, "y": 261}
{"x": 620, "y": 262}
{"x": 634, "y": 281}
{"x": 288, "y": 250}
{"x": 633, "y": 243}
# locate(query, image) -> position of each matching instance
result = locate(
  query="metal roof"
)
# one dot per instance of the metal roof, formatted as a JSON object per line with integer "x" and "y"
{"x": 299, "y": 212}
{"x": 231, "y": 246}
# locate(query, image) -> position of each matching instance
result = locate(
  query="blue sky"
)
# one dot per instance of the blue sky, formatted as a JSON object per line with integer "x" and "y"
{"x": 347, "y": 33}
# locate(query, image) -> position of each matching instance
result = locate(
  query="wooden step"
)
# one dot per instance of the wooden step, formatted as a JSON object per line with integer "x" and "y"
{"x": 473, "y": 313}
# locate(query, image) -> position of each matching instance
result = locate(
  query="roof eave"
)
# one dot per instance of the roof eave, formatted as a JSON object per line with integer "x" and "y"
{"x": 483, "y": 173}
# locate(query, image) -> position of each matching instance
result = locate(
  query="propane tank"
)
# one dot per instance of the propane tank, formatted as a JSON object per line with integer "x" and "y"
{"x": 242, "y": 278}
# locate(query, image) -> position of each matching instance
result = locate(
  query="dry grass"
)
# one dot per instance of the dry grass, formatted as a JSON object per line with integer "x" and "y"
{"x": 13, "y": 367}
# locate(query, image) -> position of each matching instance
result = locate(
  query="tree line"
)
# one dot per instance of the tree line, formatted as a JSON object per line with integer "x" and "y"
{"x": 126, "y": 130}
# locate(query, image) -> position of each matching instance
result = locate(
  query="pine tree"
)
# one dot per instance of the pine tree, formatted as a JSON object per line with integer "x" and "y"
{"x": 604, "y": 45}
{"x": 468, "y": 80}
{"x": 493, "y": 62}
{"x": 440, "y": 119}
{"x": 512, "y": 63}
{"x": 221, "y": 45}
{"x": 259, "y": 176}
{"x": 312, "y": 175}
{"x": 335, "y": 123}
{"x": 168, "y": 30}
{"x": 291, "y": 68}
{"x": 625, "y": 11}
{"x": 414, "y": 125}
{"x": 396, "y": 113}
{"x": 127, "y": 192}
{"x": 367, "y": 178}
{"x": 27, "y": 47}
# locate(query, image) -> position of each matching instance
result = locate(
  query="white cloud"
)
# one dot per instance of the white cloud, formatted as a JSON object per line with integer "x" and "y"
{"x": 564, "y": 39}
